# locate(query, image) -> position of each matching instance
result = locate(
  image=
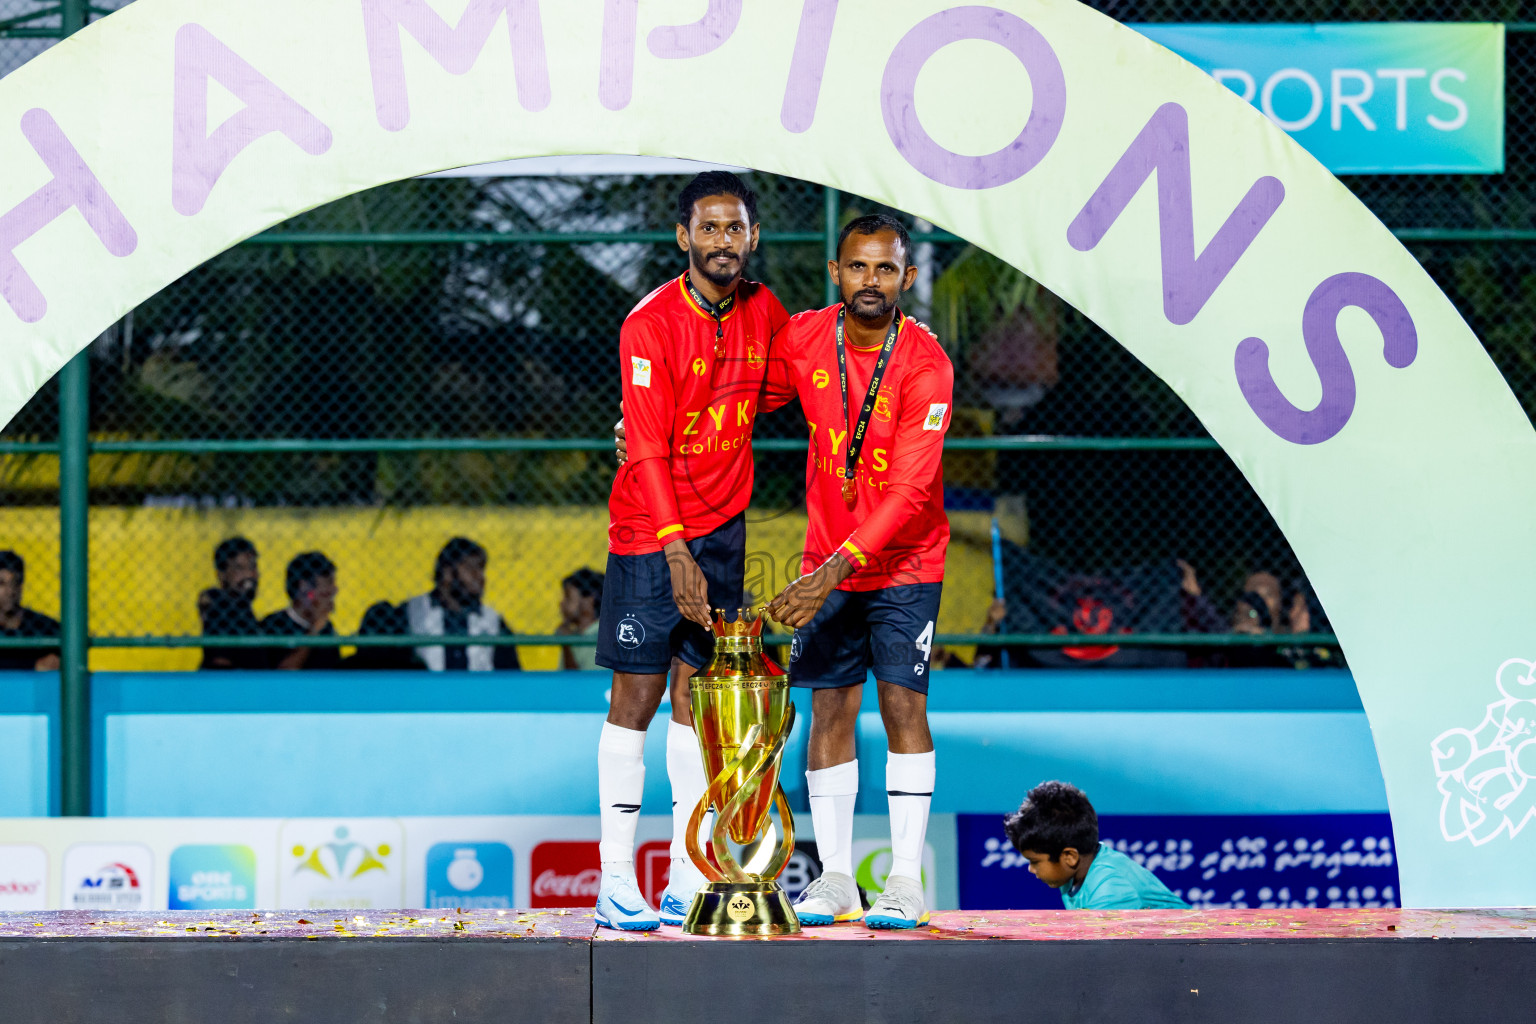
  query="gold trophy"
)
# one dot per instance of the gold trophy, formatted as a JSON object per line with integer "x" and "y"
{"x": 742, "y": 715}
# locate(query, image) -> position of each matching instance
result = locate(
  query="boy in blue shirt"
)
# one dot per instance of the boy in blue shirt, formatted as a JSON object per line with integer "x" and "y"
{"x": 1057, "y": 831}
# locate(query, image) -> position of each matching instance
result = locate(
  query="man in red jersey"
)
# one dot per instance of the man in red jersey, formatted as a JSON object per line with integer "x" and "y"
{"x": 692, "y": 355}
{"x": 876, "y": 389}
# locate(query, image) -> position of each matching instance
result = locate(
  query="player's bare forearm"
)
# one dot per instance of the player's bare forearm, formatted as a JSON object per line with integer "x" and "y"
{"x": 689, "y": 588}
{"x": 799, "y": 602}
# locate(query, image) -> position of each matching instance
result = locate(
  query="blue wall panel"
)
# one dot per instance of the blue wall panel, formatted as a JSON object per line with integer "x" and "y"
{"x": 259, "y": 744}
{"x": 29, "y": 744}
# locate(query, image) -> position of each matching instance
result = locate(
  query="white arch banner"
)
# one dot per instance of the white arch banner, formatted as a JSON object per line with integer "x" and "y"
{"x": 1310, "y": 343}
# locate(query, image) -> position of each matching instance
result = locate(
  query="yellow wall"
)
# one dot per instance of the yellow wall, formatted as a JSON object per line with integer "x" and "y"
{"x": 148, "y": 564}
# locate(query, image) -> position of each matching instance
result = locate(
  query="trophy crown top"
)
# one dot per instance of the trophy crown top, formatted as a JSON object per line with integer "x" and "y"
{"x": 747, "y": 623}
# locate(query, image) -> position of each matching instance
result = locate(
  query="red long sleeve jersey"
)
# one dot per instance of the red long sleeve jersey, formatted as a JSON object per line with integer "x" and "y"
{"x": 688, "y": 415}
{"x": 895, "y": 531}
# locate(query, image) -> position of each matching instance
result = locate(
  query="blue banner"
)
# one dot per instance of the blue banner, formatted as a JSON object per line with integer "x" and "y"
{"x": 1211, "y": 861}
{"x": 1365, "y": 98}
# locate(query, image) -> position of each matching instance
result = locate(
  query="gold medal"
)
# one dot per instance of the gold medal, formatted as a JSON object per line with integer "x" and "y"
{"x": 848, "y": 491}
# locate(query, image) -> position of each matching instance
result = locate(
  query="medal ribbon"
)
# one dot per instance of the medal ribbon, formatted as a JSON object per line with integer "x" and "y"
{"x": 856, "y": 433}
{"x": 716, "y": 310}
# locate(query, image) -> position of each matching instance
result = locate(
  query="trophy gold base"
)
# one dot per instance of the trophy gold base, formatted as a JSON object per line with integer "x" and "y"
{"x": 741, "y": 908}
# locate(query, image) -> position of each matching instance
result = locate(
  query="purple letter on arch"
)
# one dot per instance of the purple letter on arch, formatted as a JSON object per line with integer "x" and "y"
{"x": 898, "y": 97}
{"x": 454, "y": 48}
{"x": 198, "y": 160}
{"x": 709, "y": 33}
{"x": 1320, "y": 334}
{"x": 621, "y": 18}
{"x": 808, "y": 65}
{"x": 73, "y": 187}
{"x": 1162, "y": 147}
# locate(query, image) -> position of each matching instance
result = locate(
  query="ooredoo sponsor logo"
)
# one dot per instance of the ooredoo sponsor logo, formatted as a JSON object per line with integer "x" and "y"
{"x": 23, "y": 877}
{"x": 564, "y": 874}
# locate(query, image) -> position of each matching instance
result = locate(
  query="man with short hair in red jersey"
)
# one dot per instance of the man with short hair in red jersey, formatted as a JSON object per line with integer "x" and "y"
{"x": 876, "y": 389}
{"x": 693, "y": 355}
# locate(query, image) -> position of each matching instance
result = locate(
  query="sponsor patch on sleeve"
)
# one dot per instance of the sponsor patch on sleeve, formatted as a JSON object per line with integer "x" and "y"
{"x": 935, "y": 420}
{"x": 641, "y": 378}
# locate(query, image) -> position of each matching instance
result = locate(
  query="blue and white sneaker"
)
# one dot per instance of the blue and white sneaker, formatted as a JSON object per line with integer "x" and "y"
{"x": 685, "y": 882}
{"x": 620, "y": 905}
{"x": 900, "y": 906}
{"x": 832, "y": 897}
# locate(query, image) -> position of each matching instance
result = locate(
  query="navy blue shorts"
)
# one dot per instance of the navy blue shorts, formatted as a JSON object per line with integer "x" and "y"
{"x": 888, "y": 630}
{"x": 641, "y": 629}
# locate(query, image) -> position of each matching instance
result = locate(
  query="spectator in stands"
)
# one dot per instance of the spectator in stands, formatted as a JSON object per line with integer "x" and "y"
{"x": 1258, "y": 609}
{"x": 226, "y": 609}
{"x": 311, "y": 584}
{"x": 1057, "y": 831}
{"x": 1265, "y": 608}
{"x": 454, "y": 608}
{"x": 383, "y": 619}
{"x": 17, "y": 621}
{"x": 581, "y": 597}
{"x": 1162, "y": 597}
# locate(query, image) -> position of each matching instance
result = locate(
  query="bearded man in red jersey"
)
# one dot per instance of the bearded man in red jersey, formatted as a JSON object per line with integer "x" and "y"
{"x": 876, "y": 388}
{"x": 693, "y": 355}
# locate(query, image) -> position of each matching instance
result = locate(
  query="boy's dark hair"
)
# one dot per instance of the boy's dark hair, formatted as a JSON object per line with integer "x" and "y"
{"x": 1054, "y": 816}
{"x": 307, "y": 569}
{"x": 457, "y": 550}
{"x": 874, "y": 224}
{"x": 10, "y": 561}
{"x": 714, "y": 183}
{"x": 586, "y": 582}
{"x": 230, "y": 549}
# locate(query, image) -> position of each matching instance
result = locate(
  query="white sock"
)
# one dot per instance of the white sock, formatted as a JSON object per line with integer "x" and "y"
{"x": 685, "y": 770}
{"x": 620, "y": 785}
{"x": 909, "y": 788}
{"x": 833, "y": 793}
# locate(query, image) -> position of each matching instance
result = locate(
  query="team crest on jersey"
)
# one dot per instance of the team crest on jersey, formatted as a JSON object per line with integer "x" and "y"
{"x": 700, "y": 367}
{"x": 883, "y": 404}
{"x": 821, "y": 378}
{"x": 754, "y": 354}
{"x": 641, "y": 375}
{"x": 935, "y": 420}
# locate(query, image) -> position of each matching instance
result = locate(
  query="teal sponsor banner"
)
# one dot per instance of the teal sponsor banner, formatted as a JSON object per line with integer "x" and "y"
{"x": 1365, "y": 99}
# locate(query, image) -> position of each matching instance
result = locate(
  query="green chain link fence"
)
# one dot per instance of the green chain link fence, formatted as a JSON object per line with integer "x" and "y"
{"x": 436, "y": 358}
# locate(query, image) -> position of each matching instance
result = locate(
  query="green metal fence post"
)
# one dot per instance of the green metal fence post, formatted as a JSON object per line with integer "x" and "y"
{"x": 834, "y": 216}
{"x": 73, "y": 15}
{"x": 74, "y": 512}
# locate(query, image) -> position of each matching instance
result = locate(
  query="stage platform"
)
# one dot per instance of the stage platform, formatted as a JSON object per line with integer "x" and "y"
{"x": 553, "y": 966}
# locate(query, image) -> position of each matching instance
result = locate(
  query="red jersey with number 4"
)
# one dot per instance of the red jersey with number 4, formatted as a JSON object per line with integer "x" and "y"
{"x": 895, "y": 530}
{"x": 688, "y": 414}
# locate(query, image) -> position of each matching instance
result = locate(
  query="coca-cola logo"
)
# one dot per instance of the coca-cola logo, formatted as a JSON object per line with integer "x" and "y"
{"x": 565, "y": 874}
{"x": 19, "y": 888}
{"x": 581, "y": 886}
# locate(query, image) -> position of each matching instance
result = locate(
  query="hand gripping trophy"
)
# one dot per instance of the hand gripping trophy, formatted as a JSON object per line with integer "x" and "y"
{"x": 742, "y": 714}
